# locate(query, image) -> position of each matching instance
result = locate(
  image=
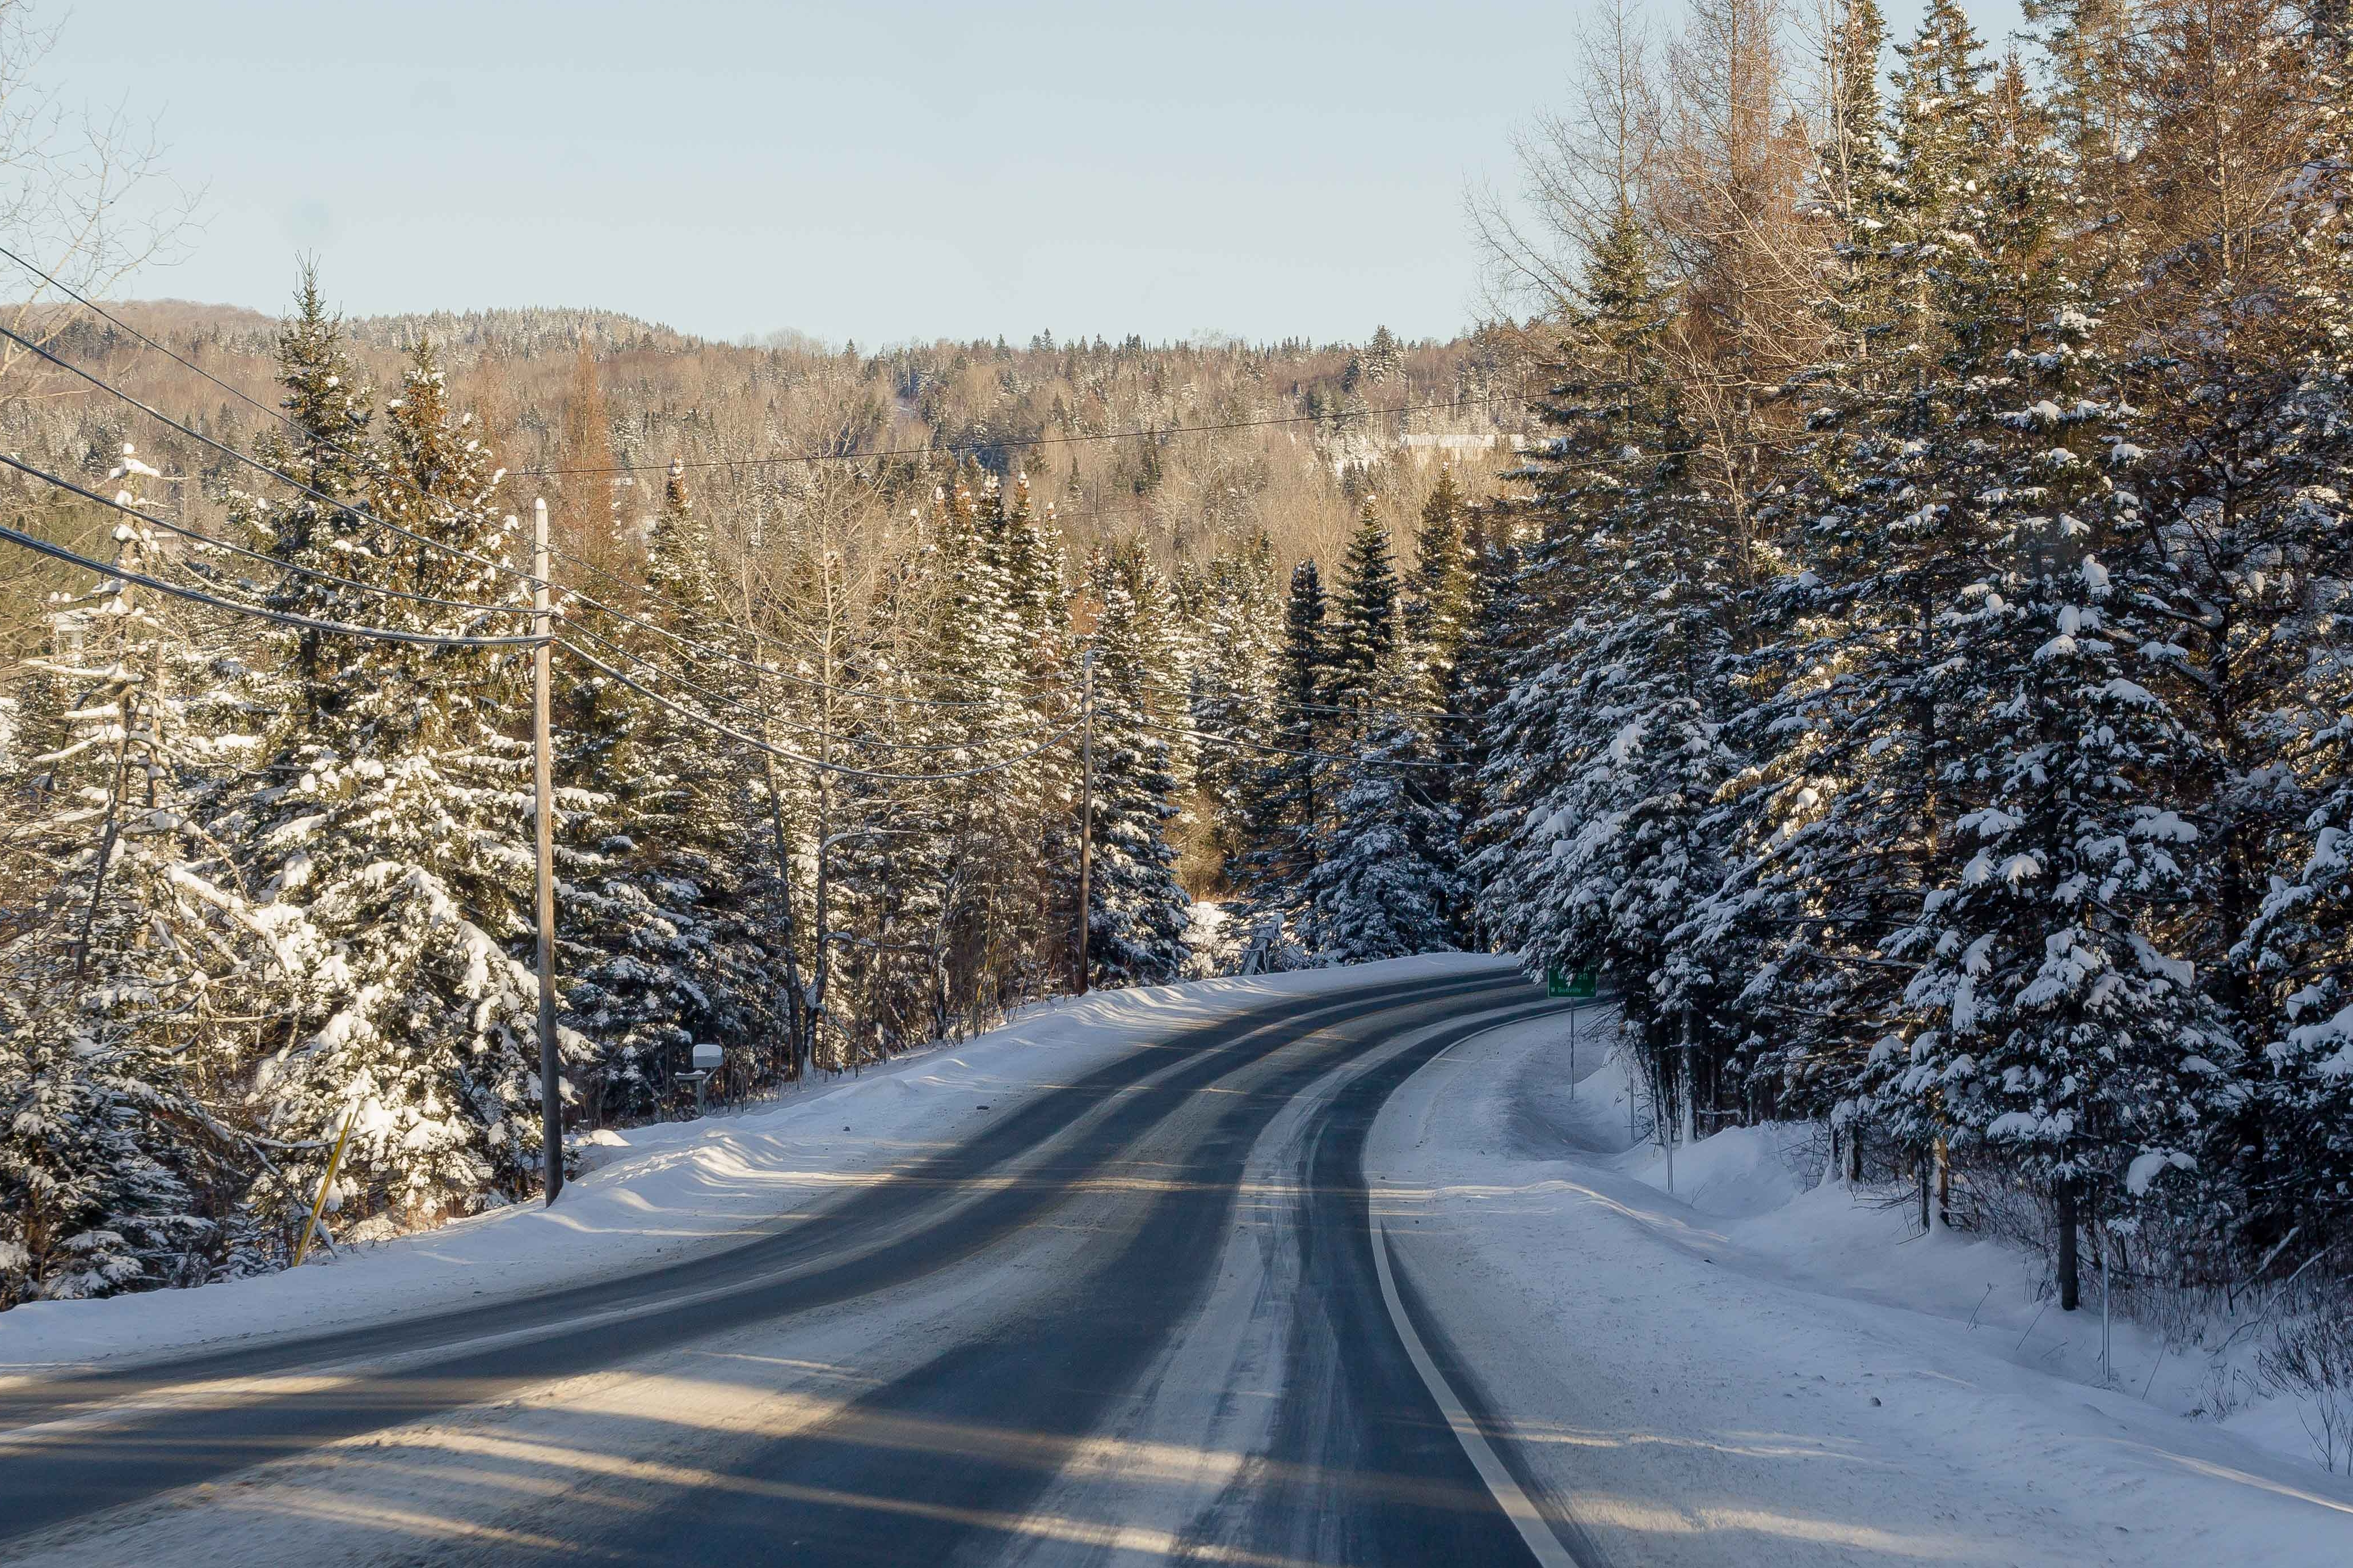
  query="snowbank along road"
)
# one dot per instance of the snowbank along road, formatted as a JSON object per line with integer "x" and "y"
{"x": 1147, "y": 1314}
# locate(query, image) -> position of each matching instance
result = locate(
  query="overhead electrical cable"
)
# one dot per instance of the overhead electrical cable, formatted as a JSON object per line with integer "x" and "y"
{"x": 964, "y": 447}
{"x": 102, "y": 313}
{"x": 790, "y": 756}
{"x": 573, "y": 597}
{"x": 283, "y": 617}
{"x": 362, "y": 514}
{"x": 222, "y": 544}
{"x": 256, "y": 464}
{"x": 936, "y": 449}
{"x": 741, "y": 706}
{"x": 577, "y": 596}
{"x": 1190, "y": 733}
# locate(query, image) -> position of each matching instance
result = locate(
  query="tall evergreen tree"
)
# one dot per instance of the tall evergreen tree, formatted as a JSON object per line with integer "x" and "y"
{"x": 394, "y": 858}
{"x": 1233, "y": 691}
{"x": 113, "y": 1175}
{"x": 1365, "y": 622}
{"x": 1387, "y": 882}
{"x": 1138, "y": 915}
{"x": 1280, "y": 815}
{"x": 1445, "y": 580}
{"x": 659, "y": 931}
{"x": 2047, "y": 1020}
{"x": 325, "y": 446}
{"x": 1607, "y": 752}
{"x": 1837, "y": 827}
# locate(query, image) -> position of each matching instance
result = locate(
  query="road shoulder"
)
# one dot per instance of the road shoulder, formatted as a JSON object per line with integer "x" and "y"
{"x": 1692, "y": 1401}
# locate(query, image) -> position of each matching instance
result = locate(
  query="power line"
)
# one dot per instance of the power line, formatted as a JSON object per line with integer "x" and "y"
{"x": 226, "y": 450}
{"x": 339, "y": 628}
{"x": 103, "y": 314}
{"x": 579, "y": 597}
{"x": 705, "y": 720}
{"x": 223, "y": 544}
{"x": 953, "y": 448}
{"x": 961, "y": 449}
{"x": 1193, "y": 734}
{"x": 705, "y": 693}
{"x": 100, "y": 311}
{"x": 361, "y": 513}
{"x": 1166, "y": 690}
{"x": 958, "y": 449}
{"x": 692, "y": 646}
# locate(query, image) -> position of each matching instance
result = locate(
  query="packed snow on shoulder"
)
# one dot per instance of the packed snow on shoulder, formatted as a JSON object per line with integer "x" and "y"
{"x": 1765, "y": 1367}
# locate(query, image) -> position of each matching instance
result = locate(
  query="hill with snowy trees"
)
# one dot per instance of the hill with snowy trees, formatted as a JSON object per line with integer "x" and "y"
{"x": 1886, "y": 610}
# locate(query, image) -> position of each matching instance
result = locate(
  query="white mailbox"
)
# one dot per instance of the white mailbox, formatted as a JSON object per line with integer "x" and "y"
{"x": 708, "y": 1059}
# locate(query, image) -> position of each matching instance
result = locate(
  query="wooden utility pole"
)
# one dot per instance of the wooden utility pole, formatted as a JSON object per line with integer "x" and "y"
{"x": 2068, "y": 1270}
{"x": 543, "y": 771}
{"x": 1086, "y": 804}
{"x": 1690, "y": 1117}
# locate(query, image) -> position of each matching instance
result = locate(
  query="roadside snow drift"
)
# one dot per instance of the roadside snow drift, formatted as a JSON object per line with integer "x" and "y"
{"x": 1760, "y": 1370}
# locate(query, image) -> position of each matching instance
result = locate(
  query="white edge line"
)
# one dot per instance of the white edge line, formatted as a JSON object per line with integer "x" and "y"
{"x": 1542, "y": 1543}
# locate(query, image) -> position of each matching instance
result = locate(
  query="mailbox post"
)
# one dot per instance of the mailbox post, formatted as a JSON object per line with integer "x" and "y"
{"x": 708, "y": 1060}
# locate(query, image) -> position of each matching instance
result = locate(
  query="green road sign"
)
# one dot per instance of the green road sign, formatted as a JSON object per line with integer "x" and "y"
{"x": 1577, "y": 987}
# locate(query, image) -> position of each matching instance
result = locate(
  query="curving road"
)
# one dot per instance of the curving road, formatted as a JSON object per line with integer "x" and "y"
{"x": 1145, "y": 1316}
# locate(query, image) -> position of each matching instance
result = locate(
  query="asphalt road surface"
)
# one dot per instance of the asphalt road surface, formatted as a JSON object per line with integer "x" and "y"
{"x": 1145, "y": 1316}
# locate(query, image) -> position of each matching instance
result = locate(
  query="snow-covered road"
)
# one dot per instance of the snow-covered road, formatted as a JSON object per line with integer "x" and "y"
{"x": 1128, "y": 1316}
{"x": 1321, "y": 1270}
{"x": 1770, "y": 1377}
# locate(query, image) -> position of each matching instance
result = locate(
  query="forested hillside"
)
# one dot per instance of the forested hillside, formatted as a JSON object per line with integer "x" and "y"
{"x": 1881, "y": 601}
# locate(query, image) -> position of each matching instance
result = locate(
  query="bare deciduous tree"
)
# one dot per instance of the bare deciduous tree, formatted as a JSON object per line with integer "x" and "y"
{"x": 87, "y": 198}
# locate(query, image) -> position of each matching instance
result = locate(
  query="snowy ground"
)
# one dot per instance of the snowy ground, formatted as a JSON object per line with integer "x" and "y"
{"x": 655, "y": 1194}
{"x": 1757, "y": 1372}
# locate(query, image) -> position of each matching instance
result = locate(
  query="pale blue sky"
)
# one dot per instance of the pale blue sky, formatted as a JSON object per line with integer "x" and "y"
{"x": 877, "y": 171}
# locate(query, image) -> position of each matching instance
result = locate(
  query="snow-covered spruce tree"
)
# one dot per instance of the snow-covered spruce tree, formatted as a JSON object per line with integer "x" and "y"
{"x": 114, "y": 1174}
{"x": 1387, "y": 882}
{"x": 1233, "y": 691}
{"x": 604, "y": 920}
{"x": 695, "y": 828}
{"x": 2285, "y": 608}
{"x": 1852, "y": 177}
{"x": 1443, "y": 592}
{"x": 978, "y": 829}
{"x": 1495, "y": 641}
{"x": 390, "y": 831}
{"x": 2300, "y": 948}
{"x": 1138, "y": 914}
{"x": 1365, "y": 617}
{"x": 1280, "y": 811}
{"x": 1444, "y": 607}
{"x": 1042, "y": 885}
{"x": 2046, "y": 1024}
{"x": 1169, "y": 651}
{"x": 1383, "y": 880}
{"x": 325, "y": 446}
{"x": 1603, "y": 759}
{"x": 879, "y": 859}
{"x": 1836, "y": 821}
